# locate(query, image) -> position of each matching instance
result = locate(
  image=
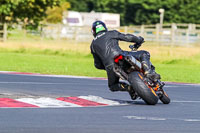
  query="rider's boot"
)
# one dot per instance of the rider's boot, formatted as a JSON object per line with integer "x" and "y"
{"x": 130, "y": 90}
{"x": 149, "y": 73}
{"x": 132, "y": 93}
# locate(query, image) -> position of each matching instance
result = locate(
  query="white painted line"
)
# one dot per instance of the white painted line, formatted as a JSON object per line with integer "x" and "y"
{"x": 102, "y": 100}
{"x": 49, "y": 75}
{"x": 46, "y": 83}
{"x": 76, "y": 77}
{"x": 174, "y": 101}
{"x": 145, "y": 118}
{"x": 183, "y": 84}
{"x": 82, "y": 77}
{"x": 159, "y": 118}
{"x": 47, "y": 102}
{"x": 192, "y": 120}
{"x": 167, "y": 86}
{"x": 32, "y": 83}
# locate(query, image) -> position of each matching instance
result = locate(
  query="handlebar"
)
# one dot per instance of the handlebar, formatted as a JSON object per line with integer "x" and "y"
{"x": 135, "y": 46}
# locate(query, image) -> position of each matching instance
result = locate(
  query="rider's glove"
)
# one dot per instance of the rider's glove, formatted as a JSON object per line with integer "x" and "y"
{"x": 139, "y": 43}
{"x": 141, "y": 40}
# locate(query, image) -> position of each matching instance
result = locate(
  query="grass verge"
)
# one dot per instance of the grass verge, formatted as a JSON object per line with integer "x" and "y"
{"x": 177, "y": 64}
{"x": 49, "y": 62}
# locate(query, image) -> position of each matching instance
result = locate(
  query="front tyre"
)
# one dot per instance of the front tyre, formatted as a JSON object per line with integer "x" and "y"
{"x": 164, "y": 98}
{"x": 142, "y": 89}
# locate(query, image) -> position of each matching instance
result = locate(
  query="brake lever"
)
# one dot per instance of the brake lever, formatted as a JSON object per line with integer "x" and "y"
{"x": 132, "y": 47}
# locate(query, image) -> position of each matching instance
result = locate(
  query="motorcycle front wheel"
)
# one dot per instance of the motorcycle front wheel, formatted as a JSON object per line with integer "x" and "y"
{"x": 143, "y": 90}
{"x": 164, "y": 98}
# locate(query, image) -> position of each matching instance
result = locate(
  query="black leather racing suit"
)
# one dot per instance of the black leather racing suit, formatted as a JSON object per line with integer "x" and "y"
{"x": 105, "y": 47}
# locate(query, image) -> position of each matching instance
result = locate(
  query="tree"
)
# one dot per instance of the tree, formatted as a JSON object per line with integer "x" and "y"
{"x": 143, "y": 11}
{"x": 28, "y": 11}
{"x": 55, "y": 14}
{"x": 82, "y": 5}
{"x": 6, "y": 9}
{"x": 176, "y": 11}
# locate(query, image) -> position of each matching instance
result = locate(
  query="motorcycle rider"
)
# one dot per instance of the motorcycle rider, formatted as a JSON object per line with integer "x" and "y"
{"x": 105, "y": 48}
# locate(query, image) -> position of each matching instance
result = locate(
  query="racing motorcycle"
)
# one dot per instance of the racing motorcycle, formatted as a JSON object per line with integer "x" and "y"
{"x": 128, "y": 68}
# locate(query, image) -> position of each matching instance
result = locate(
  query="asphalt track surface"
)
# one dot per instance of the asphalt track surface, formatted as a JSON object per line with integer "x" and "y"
{"x": 182, "y": 115}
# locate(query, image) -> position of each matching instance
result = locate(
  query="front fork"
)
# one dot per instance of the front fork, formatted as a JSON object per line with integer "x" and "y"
{"x": 157, "y": 87}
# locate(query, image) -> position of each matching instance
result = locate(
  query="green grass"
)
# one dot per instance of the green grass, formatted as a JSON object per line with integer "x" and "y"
{"x": 29, "y": 53}
{"x": 71, "y": 63}
{"x": 179, "y": 73}
{"x": 179, "y": 70}
{"x": 48, "y": 62}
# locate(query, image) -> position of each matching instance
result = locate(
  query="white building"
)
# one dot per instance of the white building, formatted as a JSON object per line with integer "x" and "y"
{"x": 86, "y": 19}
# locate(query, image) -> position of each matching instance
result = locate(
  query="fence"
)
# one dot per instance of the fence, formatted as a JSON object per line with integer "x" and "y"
{"x": 67, "y": 32}
{"x": 179, "y": 34}
{"x": 169, "y": 33}
{"x": 3, "y": 32}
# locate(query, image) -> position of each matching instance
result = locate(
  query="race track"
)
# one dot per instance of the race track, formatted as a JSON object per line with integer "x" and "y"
{"x": 85, "y": 105}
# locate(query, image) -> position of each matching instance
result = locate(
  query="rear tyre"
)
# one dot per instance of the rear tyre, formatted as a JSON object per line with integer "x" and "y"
{"x": 143, "y": 91}
{"x": 165, "y": 99}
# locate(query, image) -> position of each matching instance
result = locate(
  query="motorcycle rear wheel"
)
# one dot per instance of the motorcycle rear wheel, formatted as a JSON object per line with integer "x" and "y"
{"x": 146, "y": 93}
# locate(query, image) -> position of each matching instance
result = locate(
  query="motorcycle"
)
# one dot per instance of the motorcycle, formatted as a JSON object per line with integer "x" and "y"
{"x": 128, "y": 68}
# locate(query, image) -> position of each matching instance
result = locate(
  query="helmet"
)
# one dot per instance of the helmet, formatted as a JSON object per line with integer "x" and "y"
{"x": 98, "y": 26}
